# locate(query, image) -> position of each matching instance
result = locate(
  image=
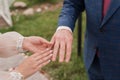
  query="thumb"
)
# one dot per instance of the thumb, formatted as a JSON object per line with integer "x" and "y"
{"x": 42, "y": 40}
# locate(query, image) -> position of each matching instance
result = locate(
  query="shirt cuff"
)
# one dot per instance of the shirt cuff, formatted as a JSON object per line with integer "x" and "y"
{"x": 64, "y": 27}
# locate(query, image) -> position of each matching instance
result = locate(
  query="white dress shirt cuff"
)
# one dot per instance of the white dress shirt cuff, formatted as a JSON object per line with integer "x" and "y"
{"x": 64, "y": 27}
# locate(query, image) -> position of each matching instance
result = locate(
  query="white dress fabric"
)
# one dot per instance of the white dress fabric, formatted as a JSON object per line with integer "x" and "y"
{"x": 5, "y": 12}
{"x": 9, "y": 57}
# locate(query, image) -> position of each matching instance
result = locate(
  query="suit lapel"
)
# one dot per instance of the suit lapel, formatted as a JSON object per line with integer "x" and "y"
{"x": 99, "y": 10}
{"x": 115, "y": 4}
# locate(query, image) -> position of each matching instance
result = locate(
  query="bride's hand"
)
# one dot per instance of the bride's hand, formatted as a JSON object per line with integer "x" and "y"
{"x": 33, "y": 63}
{"x": 35, "y": 44}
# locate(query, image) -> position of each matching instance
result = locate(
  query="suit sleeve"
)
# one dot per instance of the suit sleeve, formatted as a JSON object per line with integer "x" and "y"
{"x": 70, "y": 12}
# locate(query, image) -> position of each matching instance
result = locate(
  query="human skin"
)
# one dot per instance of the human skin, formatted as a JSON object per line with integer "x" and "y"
{"x": 62, "y": 41}
{"x": 41, "y": 56}
{"x": 34, "y": 63}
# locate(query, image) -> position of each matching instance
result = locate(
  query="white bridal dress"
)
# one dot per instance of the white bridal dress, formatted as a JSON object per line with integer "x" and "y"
{"x": 10, "y": 58}
{"x": 5, "y": 12}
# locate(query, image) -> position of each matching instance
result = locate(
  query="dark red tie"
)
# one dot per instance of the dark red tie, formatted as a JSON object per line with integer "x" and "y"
{"x": 106, "y": 4}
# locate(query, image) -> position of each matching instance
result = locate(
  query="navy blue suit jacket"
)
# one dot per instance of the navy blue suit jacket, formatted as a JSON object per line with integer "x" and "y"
{"x": 102, "y": 33}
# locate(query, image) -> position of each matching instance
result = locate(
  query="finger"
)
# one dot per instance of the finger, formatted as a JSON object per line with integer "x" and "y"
{"x": 68, "y": 51}
{"x": 55, "y": 51}
{"x": 44, "y": 64}
{"x": 62, "y": 51}
{"x": 46, "y": 45}
{"x": 32, "y": 49}
{"x": 52, "y": 40}
{"x": 42, "y": 60}
{"x": 44, "y": 55}
{"x": 51, "y": 45}
{"x": 44, "y": 41}
{"x": 41, "y": 52}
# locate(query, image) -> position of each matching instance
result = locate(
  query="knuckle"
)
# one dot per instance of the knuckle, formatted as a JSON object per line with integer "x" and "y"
{"x": 62, "y": 48}
{"x": 68, "y": 55}
{"x": 42, "y": 60}
{"x": 70, "y": 39}
{"x": 31, "y": 61}
{"x": 59, "y": 37}
{"x": 37, "y": 68}
{"x": 40, "y": 66}
{"x": 34, "y": 67}
{"x": 43, "y": 64}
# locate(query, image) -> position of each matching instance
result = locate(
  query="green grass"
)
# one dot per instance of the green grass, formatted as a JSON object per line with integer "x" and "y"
{"x": 44, "y": 25}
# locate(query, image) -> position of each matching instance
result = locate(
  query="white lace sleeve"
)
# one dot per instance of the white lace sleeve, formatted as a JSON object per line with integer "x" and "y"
{"x": 5, "y": 75}
{"x": 10, "y": 76}
{"x": 10, "y": 44}
{"x": 6, "y": 64}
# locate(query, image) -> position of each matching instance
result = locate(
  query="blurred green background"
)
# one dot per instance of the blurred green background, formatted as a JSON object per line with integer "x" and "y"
{"x": 44, "y": 25}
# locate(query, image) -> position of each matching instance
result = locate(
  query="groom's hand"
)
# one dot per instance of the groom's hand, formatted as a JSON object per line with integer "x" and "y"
{"x": 62, "y": 41}
{"x": 36, "y": 44}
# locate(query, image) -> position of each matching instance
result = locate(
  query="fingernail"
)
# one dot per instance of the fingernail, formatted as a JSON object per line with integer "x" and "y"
{"x": 51, "y": 54}
{"x": 23, "y": 54}
{"x": 47, "y": 49}
{"x": 67, "y": 61}
{"x": 26, "y": 56}
{"x": 61, "y": 61}
{"x": 51, "y": 51}
{"x": 49, "y": 61}
{"x": 54, "y": 59}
